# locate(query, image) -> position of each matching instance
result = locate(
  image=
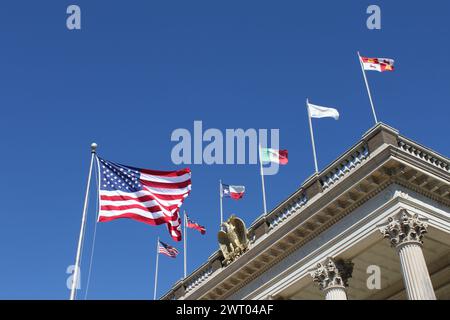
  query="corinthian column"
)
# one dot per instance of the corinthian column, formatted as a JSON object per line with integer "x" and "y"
{"x": 405, "y": 233}
{"x": 332, "y": 277}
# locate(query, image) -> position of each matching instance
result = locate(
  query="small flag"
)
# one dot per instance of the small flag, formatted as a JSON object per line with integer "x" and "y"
{"x": 149, "y": 196}
{"x": 194, "y": 225}
{"x": 233, "y": 192}
{"x": 274, "y": 155}
{"x": 378, "y": 64}
{"x": 322, "y": 112}
{"x": 168, "y": 250}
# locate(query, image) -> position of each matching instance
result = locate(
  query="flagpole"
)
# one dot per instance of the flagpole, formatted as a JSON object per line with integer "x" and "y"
{"x": 262, "y": 180}
{"x": 185, "y": 244}
{"x": 368, "y": 89}
{"x": 221, "y": 201}
{"x": 83, "y": 225}
{"x": 312, "y": 137}
{"x": 156, "y": 270}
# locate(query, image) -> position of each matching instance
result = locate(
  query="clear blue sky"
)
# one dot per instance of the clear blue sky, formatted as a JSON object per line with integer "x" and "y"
{"x": 140, "y": 69}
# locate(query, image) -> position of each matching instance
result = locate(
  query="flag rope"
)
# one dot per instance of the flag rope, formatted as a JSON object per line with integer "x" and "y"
{"x": 81, "y": 259}
{"x": 95, "y": 234}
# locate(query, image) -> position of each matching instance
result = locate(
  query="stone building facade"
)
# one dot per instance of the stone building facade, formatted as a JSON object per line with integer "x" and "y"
{"x": 374, "y": 224}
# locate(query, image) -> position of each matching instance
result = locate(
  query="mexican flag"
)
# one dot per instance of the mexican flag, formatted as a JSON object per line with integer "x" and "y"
{"x": 274, "y": 155}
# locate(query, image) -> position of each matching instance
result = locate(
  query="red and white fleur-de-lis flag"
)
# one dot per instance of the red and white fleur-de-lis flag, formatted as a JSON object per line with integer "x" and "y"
{"x": 378, "y": 64}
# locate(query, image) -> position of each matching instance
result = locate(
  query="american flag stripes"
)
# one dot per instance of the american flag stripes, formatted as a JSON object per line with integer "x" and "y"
{"x": 149, "y": 196}
{"x": 167, "y": 250}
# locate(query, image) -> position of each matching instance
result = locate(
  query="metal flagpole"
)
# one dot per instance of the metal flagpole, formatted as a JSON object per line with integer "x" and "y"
{"x": 83, "y": 225}
{"x": 185, "y": 244}
{"x": 221, "y": 201}
{"x": 312, "y": 137}
{"x": 368, "y": 89}
{"x": 262, "y": 180}
{"x": 156, "y": 270}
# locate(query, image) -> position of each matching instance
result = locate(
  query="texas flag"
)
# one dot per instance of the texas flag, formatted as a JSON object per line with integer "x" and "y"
{"x": 233, "y": 192}
{"x": 274, "y": 155}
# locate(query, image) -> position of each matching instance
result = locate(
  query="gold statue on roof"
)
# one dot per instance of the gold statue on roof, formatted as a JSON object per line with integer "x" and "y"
{"x": 233, "y": 239}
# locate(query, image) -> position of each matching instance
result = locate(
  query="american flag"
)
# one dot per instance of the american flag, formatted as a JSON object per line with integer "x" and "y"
{"x": 149, "y": 196}
{"x": 169, "y": 251}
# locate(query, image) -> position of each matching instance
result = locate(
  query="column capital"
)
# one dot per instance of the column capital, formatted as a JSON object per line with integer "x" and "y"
{"x": 333, "y": 273}
{"x": 404, "y": 228}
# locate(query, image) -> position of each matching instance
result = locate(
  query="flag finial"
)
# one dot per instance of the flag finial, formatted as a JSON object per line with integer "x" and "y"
{"x": 94, "y": 147}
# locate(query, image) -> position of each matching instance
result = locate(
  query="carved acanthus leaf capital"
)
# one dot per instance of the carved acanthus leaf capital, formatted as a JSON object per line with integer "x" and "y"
{"x": 404, "y": 228}
{"x": 332, "y": 273}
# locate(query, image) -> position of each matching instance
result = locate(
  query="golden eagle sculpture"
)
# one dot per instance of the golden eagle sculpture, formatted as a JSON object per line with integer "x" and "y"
{"x": 233, "y": 239}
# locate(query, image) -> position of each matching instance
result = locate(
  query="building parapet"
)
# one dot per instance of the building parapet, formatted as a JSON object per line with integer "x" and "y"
{"x": 199, "y": 278}
{"x": 348, "y": 163}
{"x": 423, "y": 153}
{"x": 277, "y": 217}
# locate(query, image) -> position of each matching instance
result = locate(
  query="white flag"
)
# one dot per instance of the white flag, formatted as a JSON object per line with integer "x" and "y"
{"x": 322, "y": 112}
